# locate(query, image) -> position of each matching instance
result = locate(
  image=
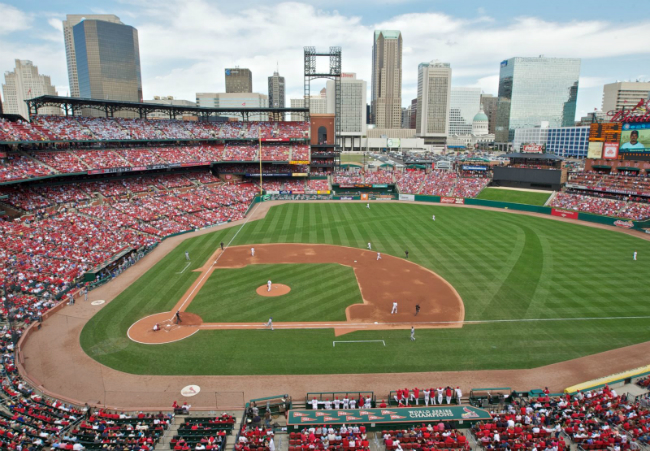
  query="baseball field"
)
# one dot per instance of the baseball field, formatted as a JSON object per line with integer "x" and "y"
{"x": 534, "y": 292}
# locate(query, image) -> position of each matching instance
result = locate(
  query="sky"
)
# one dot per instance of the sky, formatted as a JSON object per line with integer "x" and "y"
{"x": 185, "y": 45}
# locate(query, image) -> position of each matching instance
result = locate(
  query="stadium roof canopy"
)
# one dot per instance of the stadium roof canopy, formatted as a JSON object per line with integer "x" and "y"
{"x": 532, "y": 156}
{"x": 74, "y": 105}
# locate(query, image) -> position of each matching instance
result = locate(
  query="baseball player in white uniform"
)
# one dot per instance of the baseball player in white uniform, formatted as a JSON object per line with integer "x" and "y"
{"x": 268, "y": 285}
{"x": 252, "y": 252}
{"x": 270, "y": 323}
{"x": 346, "y": 403}
{"x": 440, "y": 390}
{"x": 369, "y": 246}
{"x": 378, "y": 256}
{"x": 634, "y": 256}
{"x": 353, "y": 403}
{"x": 368, "y": 206}
{"x": 394, "y": 308}
{"x": 412, "y": 339}
{"x": 433, "y": 217}
{"x": 337, "y": 403}
{"x": 427, "y": 393}
{"x": 459, "y": 395}
{"x": 187, "y": 256}
{"x": 314, "y": 404}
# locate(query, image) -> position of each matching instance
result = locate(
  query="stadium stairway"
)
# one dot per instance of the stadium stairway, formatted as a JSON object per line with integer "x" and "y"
{"x": 550, "y": 199}
{"x": 172, "y": 430}
{"x": 26, "y": 155}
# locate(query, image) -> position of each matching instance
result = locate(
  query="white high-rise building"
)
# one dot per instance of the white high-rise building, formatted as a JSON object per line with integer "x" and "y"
{"x": 70, "y": 55}
{"x": 353, "y": 104}
{"x": 25, "y": 83}
{"x": 235, "y": 100}
{"x": 317, "y": 105}
{"x": 626, "y": 94}
{"x": 434, "y": 97}
{"x": 386, "y": 103}
{"x": 465, "y": 102}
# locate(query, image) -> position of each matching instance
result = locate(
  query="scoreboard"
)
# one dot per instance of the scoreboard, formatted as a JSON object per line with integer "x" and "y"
{"x": 607, "y": 132}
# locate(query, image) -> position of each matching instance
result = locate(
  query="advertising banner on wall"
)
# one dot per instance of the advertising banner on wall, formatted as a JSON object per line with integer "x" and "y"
{"x": 406, "y": 197}
{"x": 610, "y": 151}
{"x": 532, "y": 148}
{"x": 595, "y": 150}
{"x": 564, "y": 214}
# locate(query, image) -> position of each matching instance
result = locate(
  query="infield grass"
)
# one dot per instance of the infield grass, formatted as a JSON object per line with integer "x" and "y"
{"x": 514, "y": 196}
{"x": 504, "y": 266}
{"x": 229, "y": 294}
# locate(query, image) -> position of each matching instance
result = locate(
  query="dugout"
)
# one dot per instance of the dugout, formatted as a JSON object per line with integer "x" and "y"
{"x": 486, "y": 397}
{"x": 321, "y": 397}
{"x": 535, "y": 171}
{"x": 400, "y": 418}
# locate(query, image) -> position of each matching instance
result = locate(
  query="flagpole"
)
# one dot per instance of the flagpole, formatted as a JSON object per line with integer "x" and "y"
{"x": 259, "y": 134}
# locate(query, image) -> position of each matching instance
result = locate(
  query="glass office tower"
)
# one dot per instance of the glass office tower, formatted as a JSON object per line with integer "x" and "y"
{"x": 108, "y": 61}
{"x": 532, "y": 90}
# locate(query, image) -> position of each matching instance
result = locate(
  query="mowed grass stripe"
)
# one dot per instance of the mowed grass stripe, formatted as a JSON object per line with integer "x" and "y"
{"x": 583, "y": 272}
{"x": 229, "y": 295}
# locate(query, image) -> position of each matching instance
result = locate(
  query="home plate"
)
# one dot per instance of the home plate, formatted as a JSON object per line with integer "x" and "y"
{"x": 376, "y": 322}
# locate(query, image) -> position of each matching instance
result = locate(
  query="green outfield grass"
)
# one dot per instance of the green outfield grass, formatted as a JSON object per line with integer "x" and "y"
{"x": 504, "y": 266}
{"x": 307, "y": 301}
{"x": 517, "y": 197}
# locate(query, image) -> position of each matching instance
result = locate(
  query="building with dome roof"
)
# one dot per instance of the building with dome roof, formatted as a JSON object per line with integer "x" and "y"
{"x": 480, "y": 133}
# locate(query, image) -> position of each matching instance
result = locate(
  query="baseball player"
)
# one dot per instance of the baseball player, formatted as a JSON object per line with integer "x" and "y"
{"x": 368, "y": 206}
{"x": 268, "y": 285}
{"x": 346, "y": 402}
{"x": 187, "y": 256}
{"x": 337, "y": 403}
{"x": 407, "y": 254}
{"x": 222, "y": 245}
{"x": 634, "y": 256}
{"x": 417, "y": 309}
{"x": 269, "y": 323}
{"x": 314, "y": 403}
{"x": 86, "y": 294}
{"x": 440, "y": 390}
{"x": 178, "y": 317}
{"x": 252, "y": 252}
{"x": 394, "y": 308}
{"x": 433, "y": 217}
{"x": 427, "y": 393}
{"x": 353, "y": 403}
{"x": 328, "y": 404}
{"x": 448, "y": 394}
{"x": 412, "y": 335}
{"x": 459, "y": 395}
{"x": 369, "y": 246}
{"x": 378, "y": 256}
{"x": 433, "y": 396}
{"x": 415, "y": 395}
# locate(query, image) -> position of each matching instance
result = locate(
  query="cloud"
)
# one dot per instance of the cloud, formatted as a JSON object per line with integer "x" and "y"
{"x": 13, "y": 19}
{"x": 185, "y": 46}
{"x": 56, "y": 23}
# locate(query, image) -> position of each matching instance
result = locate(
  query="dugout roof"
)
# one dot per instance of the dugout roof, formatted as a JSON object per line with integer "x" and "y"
{"x": 533, "y": 156}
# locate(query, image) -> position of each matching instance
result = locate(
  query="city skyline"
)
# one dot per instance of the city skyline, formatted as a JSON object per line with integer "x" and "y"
{"x": 474, "y": 39}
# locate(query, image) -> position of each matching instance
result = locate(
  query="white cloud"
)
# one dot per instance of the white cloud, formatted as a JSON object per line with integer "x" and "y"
{"x": 185, "y": 46}
{"x": 56, "y": 24}
{"x": 13, "y": 19}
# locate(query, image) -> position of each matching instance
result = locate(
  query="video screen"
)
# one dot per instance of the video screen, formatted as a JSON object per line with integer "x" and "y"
{"x": 635, "y": 138}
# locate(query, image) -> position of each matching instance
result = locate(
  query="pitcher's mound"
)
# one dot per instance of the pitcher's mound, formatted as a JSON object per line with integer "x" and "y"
{"x": 277, "y": 289}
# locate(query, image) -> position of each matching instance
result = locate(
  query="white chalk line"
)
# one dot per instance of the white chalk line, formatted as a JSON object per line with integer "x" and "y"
{"x": 189, "y": 296}
{"x": 358, "y": 341}
{"x": 186, "y": 266}
{"x": 346, "y": 325}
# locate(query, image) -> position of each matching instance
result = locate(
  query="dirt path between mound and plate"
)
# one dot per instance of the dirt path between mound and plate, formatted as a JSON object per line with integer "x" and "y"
{"x": 53, "y": 361}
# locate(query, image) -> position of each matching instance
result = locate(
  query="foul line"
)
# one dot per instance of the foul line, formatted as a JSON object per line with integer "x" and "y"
{"x": 359, "y": 341}
{"x": 189, "y": 296}
{"x": 188, "y": 264}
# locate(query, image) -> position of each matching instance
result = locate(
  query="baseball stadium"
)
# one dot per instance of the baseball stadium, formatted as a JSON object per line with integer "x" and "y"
{"x": 174, "y": 284}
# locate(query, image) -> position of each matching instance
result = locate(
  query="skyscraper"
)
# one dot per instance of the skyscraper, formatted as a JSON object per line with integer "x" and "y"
{"x": 353, "y": 107}
{"x": 463, "y": 106}
{"x": 276, "y": 93}
{"x": 25, "y": 83}
{"x": 108, "y": 60}
{"x": 619, "y": 95}
{"x": 434, "y": 97}
{"x": 239, "y": 80}
{"x": 386, "y": 106}
{"x": 489, "y": 104}
{"x": 68, "y": 24}
{"x": 532, "y": 90}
